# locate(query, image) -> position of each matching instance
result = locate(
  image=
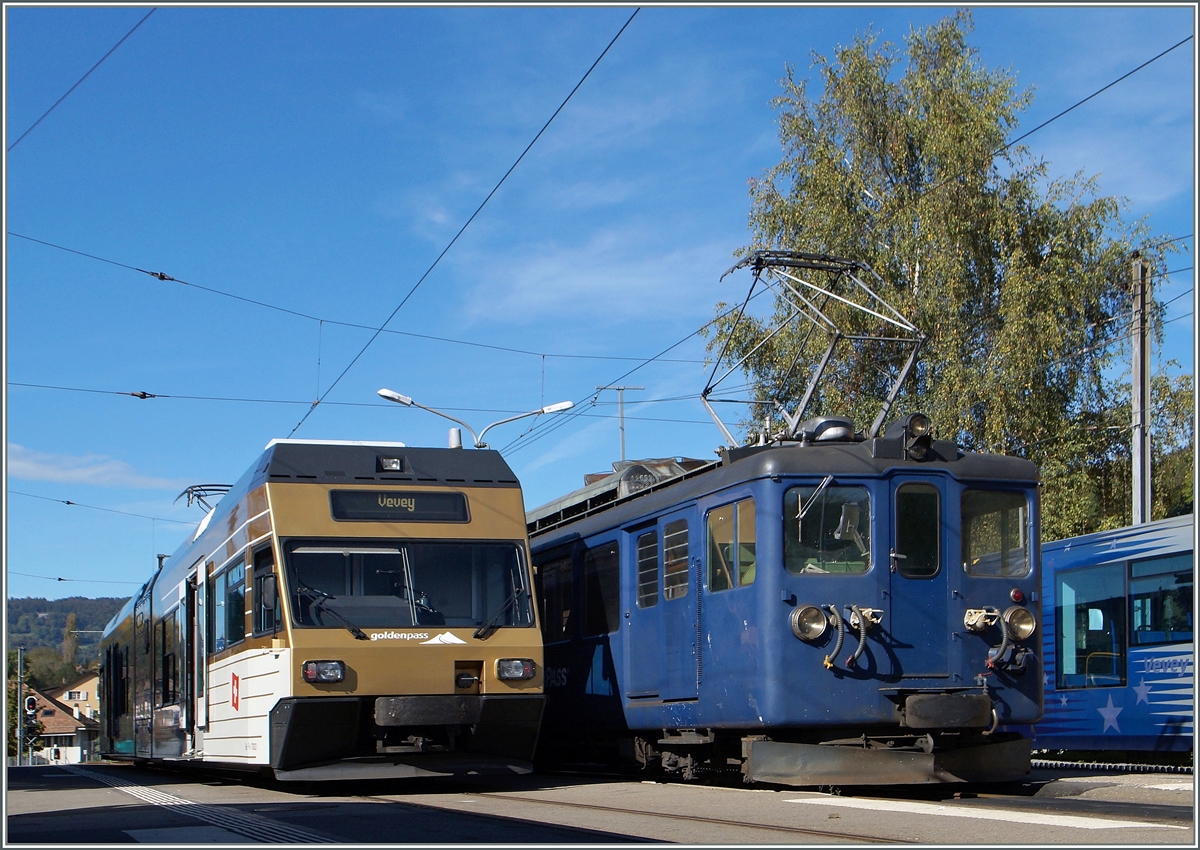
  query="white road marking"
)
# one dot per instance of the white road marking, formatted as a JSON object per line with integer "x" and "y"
{"x": 251, "y": 826}
{"x": 957, "y": 811}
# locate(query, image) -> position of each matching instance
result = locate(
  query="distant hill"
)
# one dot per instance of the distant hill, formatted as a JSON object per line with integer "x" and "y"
{"x": 36, "y": 622}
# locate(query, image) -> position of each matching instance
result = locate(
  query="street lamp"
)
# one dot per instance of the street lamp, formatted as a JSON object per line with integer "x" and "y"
{"x": 392, "y": 395}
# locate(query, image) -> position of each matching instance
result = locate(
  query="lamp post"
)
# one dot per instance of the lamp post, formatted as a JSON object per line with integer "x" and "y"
{"x": 392, "y": 395}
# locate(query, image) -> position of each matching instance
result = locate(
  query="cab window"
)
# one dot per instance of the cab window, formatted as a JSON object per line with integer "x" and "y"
{"x": 995, "y": 533}
{"x": 917, "y": 530}
{"x": 827, "y": 529}
{"x": 732, "y": 550}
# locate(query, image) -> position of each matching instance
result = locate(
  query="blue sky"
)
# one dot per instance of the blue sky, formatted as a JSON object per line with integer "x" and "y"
{"x": 319, "y": 159}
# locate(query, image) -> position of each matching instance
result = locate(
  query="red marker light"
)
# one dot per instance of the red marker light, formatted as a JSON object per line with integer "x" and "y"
{"x": 1017, "y": 596}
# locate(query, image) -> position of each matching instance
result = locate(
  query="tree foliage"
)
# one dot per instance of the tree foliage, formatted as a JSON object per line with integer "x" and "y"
{"x": 1018, "y": 280}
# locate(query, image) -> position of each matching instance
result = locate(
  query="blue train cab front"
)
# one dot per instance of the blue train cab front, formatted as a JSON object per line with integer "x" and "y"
{"x": 833, "y": 609}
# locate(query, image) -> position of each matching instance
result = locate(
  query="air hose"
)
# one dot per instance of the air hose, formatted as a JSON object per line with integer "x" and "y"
{"x": 1005, "y": 643}
{"x": 841, "y": 632}
{"x": 862, "y": 637}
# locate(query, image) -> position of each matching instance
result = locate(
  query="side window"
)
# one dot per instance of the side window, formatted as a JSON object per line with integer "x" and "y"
{"x": 647, "y": 570}
{"x": 918, "y": 528}
{"x": 675, "y": 559}
{"x": 827, "y": 529}
{"x": 168, "y": 664}
{"x": 1160, "y": 595}
{"x": 557, "y": 593}
{"x": 995, "y": 539}
{"x": 267, "y": 616}
{"x": 732, "y": 555}
{"x": 228, "y": 617}
{"x": 235, "y": 603}
{"x": 600, "y": 589}
{"x": 1091, "y": 627}
{"x": 216, "y": 614}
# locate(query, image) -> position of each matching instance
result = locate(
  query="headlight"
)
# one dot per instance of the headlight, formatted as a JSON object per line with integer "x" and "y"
{"x": 515, "y": 668}
{"x": 919, "y": 425}
{"x": 809, "y": 622}
{"x": 323, "y": 671}
{"x": 1021, "y": 622}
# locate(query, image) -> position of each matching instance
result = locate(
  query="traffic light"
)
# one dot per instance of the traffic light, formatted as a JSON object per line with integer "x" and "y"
{"x": 31, "y": 704}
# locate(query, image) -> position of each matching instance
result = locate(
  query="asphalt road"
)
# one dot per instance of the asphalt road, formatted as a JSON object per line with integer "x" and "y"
{"x": 123, "y": 804}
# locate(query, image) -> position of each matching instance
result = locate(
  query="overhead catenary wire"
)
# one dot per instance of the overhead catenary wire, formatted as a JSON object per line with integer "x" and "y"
{"x": 325, "y": 320}
{"x": 81, "y": 79}
{"x": 300, "y": 402}
{"x": 467, "y": 224}
{"x": 97, "y": 508}
{"x": 82, "y": 581}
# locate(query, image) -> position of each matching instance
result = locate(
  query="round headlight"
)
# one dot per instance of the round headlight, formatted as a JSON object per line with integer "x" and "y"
{"x": 1021, "y": 622}
{"x": 919, "y": 425}
{"x": 809, "y": 622}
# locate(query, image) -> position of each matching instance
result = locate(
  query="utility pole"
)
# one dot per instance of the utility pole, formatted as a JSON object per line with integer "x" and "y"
{"x": 20, "y": 702}
{"x": 621, "y": 410}
{"x": 1140, "y": 284}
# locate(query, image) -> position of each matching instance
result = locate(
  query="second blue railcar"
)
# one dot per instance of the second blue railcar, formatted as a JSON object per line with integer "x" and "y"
{"x": 1119, "y": 640}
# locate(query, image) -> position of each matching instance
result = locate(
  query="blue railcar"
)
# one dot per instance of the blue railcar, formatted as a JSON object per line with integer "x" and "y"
{"x": 1118, "y": 640}
{"x": 837, "y": 609}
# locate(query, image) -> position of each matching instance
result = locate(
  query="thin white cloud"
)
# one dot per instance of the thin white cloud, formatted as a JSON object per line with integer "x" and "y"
{"x": 612, "y": 278}
{"x": 99, "y": 470}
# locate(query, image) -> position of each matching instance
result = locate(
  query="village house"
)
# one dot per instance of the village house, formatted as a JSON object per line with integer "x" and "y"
{"x": 81, "y": 695}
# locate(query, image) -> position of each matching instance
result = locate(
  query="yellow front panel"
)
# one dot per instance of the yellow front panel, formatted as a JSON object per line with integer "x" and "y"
{"x": 404, "y": 660}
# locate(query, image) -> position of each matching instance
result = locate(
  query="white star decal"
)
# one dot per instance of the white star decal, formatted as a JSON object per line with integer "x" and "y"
{"x": 1143, "y": 692}
{"x": 1063, "y": 700}
{"x": 1109, "y": 714}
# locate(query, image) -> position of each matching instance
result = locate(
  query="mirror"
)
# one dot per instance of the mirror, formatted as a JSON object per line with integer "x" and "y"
{"x": 848, "y": 527}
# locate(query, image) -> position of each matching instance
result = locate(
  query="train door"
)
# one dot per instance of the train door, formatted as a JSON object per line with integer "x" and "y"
{"x": 641, "y": 602}
{"x": 197, "y": 656}
{"x": 917, "y": 620}
{"x": 680, "y": 651}
{"x": 143, "y": 678}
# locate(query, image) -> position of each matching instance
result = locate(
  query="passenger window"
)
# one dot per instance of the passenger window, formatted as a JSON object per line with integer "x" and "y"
{"x": 917, "y": 530}
{"x": 600, "y": 589}
{"x": 647, "y": 570}
{"x": 267, "y": 610}
{"x": 827, "y": 529}
{"x": 1091, "y": 627}
{"x": 675, "y": 559}
{"x": 732, "y": 556}
{"x": 229, "y": 607}
{"x": 995, "y": 539}
{"x": 557, "y": 590}
{"x": 1160, "y": 593}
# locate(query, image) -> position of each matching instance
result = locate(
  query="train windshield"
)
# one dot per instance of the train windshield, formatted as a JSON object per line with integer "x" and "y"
{"x": 827, "y": 529}
{"x": 388, "y": 584}
{"x": 995, "y": 533}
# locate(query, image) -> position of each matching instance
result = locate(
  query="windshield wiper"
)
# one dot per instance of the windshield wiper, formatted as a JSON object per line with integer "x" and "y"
{"x": 485, "y": 631}
{"x": 319, "y": 606}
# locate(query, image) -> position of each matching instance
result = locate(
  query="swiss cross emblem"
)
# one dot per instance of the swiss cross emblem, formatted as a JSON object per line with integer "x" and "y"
{"x": 235, "y": 690}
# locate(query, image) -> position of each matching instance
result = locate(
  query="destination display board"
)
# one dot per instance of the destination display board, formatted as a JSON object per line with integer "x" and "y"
{"x": 398, "y": 506}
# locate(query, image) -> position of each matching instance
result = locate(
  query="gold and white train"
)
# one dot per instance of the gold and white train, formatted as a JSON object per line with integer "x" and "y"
{"x": 346, "y": 610}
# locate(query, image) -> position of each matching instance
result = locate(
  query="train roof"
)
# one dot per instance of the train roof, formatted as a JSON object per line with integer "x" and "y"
{"x": 871, "y": 457}
{"x": 1164, "y": 536}
{"x": 360, "y": 462}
